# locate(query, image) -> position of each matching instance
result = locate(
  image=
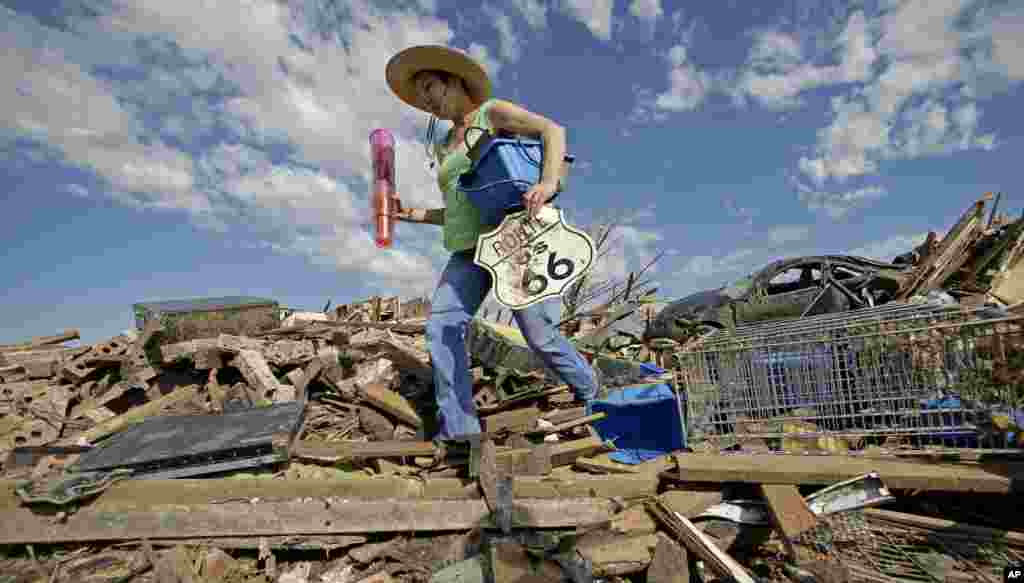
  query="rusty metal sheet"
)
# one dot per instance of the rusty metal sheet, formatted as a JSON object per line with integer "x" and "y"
{"x": 534, "y": 259}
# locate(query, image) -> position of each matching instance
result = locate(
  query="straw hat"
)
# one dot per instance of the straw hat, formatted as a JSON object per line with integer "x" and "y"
{"x": 403, "y": 66}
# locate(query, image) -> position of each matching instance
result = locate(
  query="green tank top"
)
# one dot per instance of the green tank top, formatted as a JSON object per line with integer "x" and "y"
{"x": 462, "y": 224}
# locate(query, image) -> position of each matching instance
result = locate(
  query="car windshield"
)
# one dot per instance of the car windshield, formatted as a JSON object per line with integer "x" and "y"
{"x": 736, "y": 289}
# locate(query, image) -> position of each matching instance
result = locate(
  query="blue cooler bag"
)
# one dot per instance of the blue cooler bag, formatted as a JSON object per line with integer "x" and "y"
{"x": 503, "y": 169}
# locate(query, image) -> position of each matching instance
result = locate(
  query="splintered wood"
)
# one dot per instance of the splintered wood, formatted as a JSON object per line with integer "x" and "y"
{"x": 698, "y": 543}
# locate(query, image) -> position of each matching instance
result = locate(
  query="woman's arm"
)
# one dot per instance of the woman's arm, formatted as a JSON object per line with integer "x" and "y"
{"x": 504, "y": 115}
{"x": 428, "y": 216}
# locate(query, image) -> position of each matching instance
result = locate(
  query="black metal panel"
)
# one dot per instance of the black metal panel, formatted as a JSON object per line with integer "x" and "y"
{"x": 192, "y": 445}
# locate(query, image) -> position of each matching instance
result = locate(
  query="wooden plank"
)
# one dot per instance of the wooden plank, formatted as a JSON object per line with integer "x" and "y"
{"x": 137, "y": 414}
{"x": 699, "y": 544}
{"x": 516, "y": 420}
{"x": 572, "y": 423}
{"x": 690, "y": 503}
{"x": 581, "y": 486}
{"x": 65, "y": 336}
{"x": 670, "y": 563}
{"x": 824, "y": 470}
{"x": 145, "y": 493}
{"x": 950, "y": 249}
{"x": 562, "y": 415}
{"x": 271, "y": 518}
{"x": 409, "y": 359}
{"x": 790, "y": 514}
{"x": 57, "y": 355}
{"x": 312, "y": 542}
{"x": 564, "y": 453}
{"x": 336, "y": 451}
{"x": 511, "y": 564}
{"x": 946, "y": 526}
{"x": 616, "y": 555}
{"x": 603, "y": 464}
{"x": 538, "y": 461}
{"x": 390, "y": 402}
{"x": 633, "y": 521}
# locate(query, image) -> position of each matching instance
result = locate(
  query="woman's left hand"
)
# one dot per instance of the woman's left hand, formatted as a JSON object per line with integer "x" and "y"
{"x": 538, "y": 195}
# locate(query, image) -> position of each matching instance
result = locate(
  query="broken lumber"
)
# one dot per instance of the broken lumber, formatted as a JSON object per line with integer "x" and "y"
{"x": 698, "y": 543}
{"x": 272, "y": 518}
{"x": 65, "y": 336}
{"x": 825, "y": 470}
{"x": 338, "y": 451}
{"x": 309, "y": 374}
{"x": 944, "y": 526}
{"x": 257, "y": 374}
{"x": 670, "y": 563}
{"x": 613, "y": 555}
{"x": 57, "y": 355}
{"x": 190, "y": 491}
{"x": 236, "y": 344}
{"x": 187, "y": 349}
{"x": 515, "y": 420}
{"x": 565, "y": 453}
{"x": 381, "y": 397}
{"x": 512, "y": 564}
{"x": 603, "y": 464}
{"x": 570, "y": 424}
{"x": 690, "y": 503}
{"x": 137, "y": 414}
{"x": 562, "y": 453}
{"x": 790, "y": 514}
{"x": 562, "y": 415}
{"x": 317, "y": 542}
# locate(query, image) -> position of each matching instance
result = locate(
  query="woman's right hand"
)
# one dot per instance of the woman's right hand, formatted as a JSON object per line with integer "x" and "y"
{"x": 409, "y": 215}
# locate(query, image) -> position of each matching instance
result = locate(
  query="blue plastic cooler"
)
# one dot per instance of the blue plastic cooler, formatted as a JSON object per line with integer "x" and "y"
{"x": 505, "y": 169}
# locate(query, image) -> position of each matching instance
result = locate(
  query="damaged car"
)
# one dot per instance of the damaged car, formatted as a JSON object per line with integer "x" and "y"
{"x": 789, "y": 288}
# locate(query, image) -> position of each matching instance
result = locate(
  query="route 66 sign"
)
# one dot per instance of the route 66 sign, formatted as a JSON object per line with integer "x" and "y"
{"x": 533, "y": 259}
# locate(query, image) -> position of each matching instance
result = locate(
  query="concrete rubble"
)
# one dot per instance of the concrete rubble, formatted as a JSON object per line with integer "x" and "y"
{"x": 359, "y": 494}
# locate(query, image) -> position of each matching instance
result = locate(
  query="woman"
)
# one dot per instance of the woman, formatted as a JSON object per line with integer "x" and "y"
{"x": 451, "y": 86}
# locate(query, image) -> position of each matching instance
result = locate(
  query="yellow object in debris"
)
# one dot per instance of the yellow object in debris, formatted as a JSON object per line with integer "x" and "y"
{"x": 793, "y": 442}
{"x": 510, "y": 333}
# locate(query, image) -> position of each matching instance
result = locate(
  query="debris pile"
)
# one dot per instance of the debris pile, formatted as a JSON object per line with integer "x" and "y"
{"x": 977, "y": 261}
{"x": 300, "y": 452}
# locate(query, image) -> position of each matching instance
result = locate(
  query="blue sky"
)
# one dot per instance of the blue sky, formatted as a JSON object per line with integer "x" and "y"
{"x": 160, "y": 150}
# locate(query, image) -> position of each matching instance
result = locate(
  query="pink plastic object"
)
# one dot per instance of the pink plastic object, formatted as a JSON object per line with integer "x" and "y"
{"x": 383, "y": 199}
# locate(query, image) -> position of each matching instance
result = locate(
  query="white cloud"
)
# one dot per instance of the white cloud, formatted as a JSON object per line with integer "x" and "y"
{"x": 887, "y": 249}
{"x": 688, "y": 85}
{"x": 534, "y": 11}
{"x": 838, "y": 204}
{"x": 705, "y": 266}
{"x": 776, "y": 51}
{"x": 482, "y": 55}
{"x": 509, "y": 45}
{"x": 1007, "y": 49}
{"x": 922, "y": 103}
{"x": 777, "y": 71}
{"x": 785, "y": 234}
{"x": 319, "y": 100}
{"x": 596, "y": 15}
{"x": 76, "y": 190}
{"x": 58, "y": 103}
{"x": 850, "y": 145}
{"x": 646, "y": 10}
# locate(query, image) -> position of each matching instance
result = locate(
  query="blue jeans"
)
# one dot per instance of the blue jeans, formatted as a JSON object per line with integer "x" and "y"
{"x": 462, "y": 289}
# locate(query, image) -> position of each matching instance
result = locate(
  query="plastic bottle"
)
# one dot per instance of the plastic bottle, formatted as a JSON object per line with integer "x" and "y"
{"x": 383, "y": 200}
